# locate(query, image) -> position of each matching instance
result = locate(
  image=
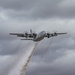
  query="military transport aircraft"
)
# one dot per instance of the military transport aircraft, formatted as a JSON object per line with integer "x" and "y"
{"x": 36, "y": 37}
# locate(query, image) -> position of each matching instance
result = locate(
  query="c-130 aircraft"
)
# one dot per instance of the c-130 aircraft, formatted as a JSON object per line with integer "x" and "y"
{"x": 36, "y": 37}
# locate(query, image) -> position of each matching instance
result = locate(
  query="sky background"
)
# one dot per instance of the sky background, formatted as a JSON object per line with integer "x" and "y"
{"x": 54, "y": 56}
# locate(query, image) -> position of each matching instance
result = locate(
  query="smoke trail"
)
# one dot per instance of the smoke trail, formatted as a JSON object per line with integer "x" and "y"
{"x": 25, "y": 66}
{"x": 21, "y": 64}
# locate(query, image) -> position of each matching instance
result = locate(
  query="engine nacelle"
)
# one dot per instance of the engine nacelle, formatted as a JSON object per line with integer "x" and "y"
{"x": 26, "y": 34}
{"x": 48, "y": 35}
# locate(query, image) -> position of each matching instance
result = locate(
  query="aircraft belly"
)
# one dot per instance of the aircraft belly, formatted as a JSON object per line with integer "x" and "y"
{"x": 39, "y": 38}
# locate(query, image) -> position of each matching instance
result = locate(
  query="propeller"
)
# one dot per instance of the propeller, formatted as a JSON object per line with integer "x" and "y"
{"x": 34, "y": 34}
{"x": 51, "y": 34}
{"x": 26, "y": 34}
{"x": 55, "y": 33}
{"x": 48, "y": 34}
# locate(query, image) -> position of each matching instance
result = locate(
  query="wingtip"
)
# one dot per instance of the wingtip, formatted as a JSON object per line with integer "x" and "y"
{"x": 10, "y": 34}
{"x": 65, "y": 33}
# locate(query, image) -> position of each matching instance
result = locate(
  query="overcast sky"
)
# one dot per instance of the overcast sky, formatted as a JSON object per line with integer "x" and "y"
{"x": 54, "y": 56}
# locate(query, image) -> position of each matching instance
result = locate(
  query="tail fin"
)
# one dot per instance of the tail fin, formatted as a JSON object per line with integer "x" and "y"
{"x": 31, "y": 31}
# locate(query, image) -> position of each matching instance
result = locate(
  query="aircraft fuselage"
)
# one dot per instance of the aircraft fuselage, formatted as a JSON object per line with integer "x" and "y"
{"x": 40, "y": 36}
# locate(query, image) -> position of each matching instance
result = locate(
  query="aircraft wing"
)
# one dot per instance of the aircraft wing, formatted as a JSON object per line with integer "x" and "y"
{"x": 18, "y": 34}
{"x": 54, "y": 34}
{"x": 24, "y": 35}
{"x": 60, "y": 33}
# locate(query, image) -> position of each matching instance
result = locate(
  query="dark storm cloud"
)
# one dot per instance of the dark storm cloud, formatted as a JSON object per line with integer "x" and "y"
{"x": 17, "y": 4}
{"x": 52, "y": 8}
{"x": 9, "y": 47}
{"x": 58, "y": 69}
{"x": 35, "y": 9}
{"x": 61, "y": 65}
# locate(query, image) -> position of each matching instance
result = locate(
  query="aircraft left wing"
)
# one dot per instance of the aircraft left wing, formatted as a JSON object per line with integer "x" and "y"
{"x": 18, "y": 34}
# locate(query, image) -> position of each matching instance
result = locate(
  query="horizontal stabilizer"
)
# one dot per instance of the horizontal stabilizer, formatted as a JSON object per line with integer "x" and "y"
{"x": 16, "y": 34}
{"x": 61, "y": 33}
{"x": 12, "y": 34}
{"x": 26, "y": 39}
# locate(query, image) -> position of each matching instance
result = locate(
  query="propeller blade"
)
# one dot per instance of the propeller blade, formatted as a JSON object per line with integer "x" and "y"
{"x": 26, "y": 34}
{"x": 48, "y": 35}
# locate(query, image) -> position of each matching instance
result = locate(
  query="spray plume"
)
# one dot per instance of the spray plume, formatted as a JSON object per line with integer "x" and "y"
{"x": 21, "y": 65}
{"x": 25, "y": 65}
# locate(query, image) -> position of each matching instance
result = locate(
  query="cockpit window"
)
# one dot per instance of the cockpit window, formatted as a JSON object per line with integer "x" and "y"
{"x": 42, "y": 33}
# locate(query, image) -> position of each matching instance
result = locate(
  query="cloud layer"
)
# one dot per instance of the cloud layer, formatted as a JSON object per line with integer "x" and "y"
{"x": 54, "y": 56}
{"x": 37, "y": 9}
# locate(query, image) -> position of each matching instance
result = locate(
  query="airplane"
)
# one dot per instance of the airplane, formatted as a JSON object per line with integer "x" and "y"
{"x": 36, "y": 37}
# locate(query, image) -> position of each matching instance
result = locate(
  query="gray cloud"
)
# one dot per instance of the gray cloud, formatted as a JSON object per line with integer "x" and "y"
{"x": 51, "y": 8}
{"x": 17, "y": 4}
{"x": 35, "y": 9}
{"x": 63, "y": 65}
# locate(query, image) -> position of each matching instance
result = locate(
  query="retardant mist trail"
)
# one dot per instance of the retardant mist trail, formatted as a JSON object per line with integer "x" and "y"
{"x": 27, "y": 61}
{"x": 20, "y": 67}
